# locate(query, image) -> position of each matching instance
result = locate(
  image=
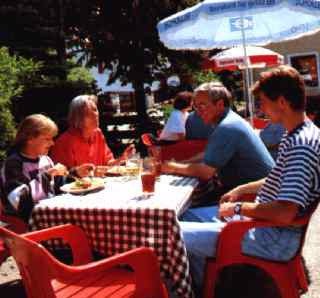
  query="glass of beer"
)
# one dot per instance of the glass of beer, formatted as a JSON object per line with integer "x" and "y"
{"x": 133, "y": 165}
{"x": 148, "y": 176}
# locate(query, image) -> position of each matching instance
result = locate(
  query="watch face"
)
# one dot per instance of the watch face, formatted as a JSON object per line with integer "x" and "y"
{"x": 237, "y": 208}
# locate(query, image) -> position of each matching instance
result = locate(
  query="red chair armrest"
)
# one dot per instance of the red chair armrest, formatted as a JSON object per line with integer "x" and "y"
{"x": 70, "y": 234}
{"x": 232, "y": 234}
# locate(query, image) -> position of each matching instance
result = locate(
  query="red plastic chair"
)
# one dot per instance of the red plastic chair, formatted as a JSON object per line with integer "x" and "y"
{"x": 147, "y": 139}
{"x": 183, "y": 150}
{"x": 3, "y": 252}
{"x": 289, "y": 276}
{"x": 46, "y": 277}
{"x": 13, "y": 223}
{"x": 260, "y": 123}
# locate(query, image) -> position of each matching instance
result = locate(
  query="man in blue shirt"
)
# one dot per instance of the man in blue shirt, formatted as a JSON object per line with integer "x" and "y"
{"x": 196, "y": 128}
{"x": 271, "y": 136}
{"x": 234, "y": 154}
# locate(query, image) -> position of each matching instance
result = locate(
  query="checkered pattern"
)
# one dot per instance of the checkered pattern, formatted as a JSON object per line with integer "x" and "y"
{"x": 115, "y": 224}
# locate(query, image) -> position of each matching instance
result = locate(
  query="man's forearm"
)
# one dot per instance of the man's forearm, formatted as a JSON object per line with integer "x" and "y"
{"x": 197, "y": 158}
{"x": 276, "y": 211}
{"x": 199, "y": 170}
{"x": 251, "y": 187}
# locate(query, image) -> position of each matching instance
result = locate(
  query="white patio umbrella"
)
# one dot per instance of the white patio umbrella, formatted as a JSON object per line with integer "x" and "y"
{"x": 226, "y": 23}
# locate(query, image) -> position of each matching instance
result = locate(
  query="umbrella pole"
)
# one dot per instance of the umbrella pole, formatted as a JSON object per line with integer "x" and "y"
{"x": 250, "y": 85}
{"x": 246, "y": 69}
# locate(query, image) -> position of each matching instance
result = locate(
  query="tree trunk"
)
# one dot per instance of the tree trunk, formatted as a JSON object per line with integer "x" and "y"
{"x": 140, "y": 102}
{"x": 61, "y": 45}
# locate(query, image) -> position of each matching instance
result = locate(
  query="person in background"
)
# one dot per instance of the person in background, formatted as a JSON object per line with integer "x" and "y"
{"x": 28, "y": 174}
{"x": 234, "y": 153}
{"x": 289, "y": 191}
{"x": 149, "y": 98}
{"x": 83, "y": 147}
{"x": 174, "y": 129}
{"x": 314, "y": 116}
{"x": 196, "y": 129}
{"x": 271, "y": 136}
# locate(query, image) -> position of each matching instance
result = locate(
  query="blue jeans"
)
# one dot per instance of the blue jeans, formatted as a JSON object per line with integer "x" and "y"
{"x": 201, "y": 228}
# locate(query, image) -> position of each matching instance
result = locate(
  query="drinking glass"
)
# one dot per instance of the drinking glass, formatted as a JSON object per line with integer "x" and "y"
{"x": 148, "y": 176}
{"x": 133, "y": 165}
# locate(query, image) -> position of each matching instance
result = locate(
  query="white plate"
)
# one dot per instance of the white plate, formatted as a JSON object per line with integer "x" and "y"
{"x": 97, "y": 183}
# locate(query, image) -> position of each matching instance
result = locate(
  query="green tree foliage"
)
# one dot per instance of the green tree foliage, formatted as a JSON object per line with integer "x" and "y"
{"x": 51, "y": 95}
{"x": 80, "y": 74}
{"x": 35, "y": 28}
{"x": 122, "y": 36}
{"x": 15, "y": 74}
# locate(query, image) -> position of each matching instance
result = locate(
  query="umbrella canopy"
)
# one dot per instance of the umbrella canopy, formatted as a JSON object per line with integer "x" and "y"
{"x": 226, "y": 23}
{"x": 233, "y": 59}
{"x": 222, "y": 23}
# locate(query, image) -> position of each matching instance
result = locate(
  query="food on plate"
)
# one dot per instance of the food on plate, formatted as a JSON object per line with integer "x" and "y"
{"x": 82, "y": 183}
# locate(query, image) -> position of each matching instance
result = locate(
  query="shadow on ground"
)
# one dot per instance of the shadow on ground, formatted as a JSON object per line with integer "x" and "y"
{"x": 246, "y": 281}
{"x": 13, "y": 289}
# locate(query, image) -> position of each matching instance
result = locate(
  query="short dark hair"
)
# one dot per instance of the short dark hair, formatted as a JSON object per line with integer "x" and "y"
{"x": 182, "y": 100}
{"x": 282, "y": 81}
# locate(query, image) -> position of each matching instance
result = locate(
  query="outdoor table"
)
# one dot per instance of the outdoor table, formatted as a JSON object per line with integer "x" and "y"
{"x": 118, "y": 218}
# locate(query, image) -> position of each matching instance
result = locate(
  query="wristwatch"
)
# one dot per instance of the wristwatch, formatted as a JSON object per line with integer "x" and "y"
{"x": 237, "y": 208}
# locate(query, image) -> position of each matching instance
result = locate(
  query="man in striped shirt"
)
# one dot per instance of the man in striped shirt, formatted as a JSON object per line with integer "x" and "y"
{"x": 287, "y": 192}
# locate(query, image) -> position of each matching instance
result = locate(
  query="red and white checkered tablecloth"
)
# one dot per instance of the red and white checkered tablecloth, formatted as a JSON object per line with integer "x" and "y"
{"x": 119, "y": 218}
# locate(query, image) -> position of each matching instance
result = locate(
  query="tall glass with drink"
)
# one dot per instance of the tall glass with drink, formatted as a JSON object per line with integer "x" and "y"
{"x": 148, "y": 176}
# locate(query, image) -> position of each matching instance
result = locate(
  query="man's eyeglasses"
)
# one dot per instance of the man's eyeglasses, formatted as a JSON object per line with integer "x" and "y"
{"x": 201, "y": 106}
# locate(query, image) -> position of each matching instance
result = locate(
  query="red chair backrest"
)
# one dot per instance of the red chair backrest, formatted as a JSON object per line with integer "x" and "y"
{"x": 27, "y": 253}
{"x": 183, "y": 150}
{"x": 146, "y": 139}
{"x": 305, "y": 221}
{"x": 15, "y": 223}
{"x": 260, "y": 123}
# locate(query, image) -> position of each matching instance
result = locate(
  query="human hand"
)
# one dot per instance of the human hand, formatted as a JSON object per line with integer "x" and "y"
{"x": 226, "y": 209}
{"x": 128, "y": 152}
{"x": 100, "y": 171}
{"x": 231, "y": 196}
{"x": 85, "y": 170}
{"x": 58, "y": 170}
{"x": 167, "y": 167}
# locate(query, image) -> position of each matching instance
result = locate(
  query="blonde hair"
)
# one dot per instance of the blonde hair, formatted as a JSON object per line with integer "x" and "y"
{"x": 33, "y": 126}
{"x": 77, "y": 110}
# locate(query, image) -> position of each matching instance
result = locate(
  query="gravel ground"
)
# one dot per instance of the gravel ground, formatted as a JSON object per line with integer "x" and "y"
{"x": 9, "y": 274}
{"x": 311, "y": 254}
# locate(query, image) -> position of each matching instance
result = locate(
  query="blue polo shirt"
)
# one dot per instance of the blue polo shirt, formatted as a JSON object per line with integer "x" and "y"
{"x": 237, "y": 151}
{"x": 196, "y": 128}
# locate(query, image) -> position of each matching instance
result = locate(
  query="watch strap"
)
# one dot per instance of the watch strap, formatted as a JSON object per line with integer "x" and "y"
{"x": 237, "y": 208}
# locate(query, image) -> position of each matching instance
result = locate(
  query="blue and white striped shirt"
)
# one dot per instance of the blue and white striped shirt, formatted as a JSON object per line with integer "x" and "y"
{"x": 296, "y": 175}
